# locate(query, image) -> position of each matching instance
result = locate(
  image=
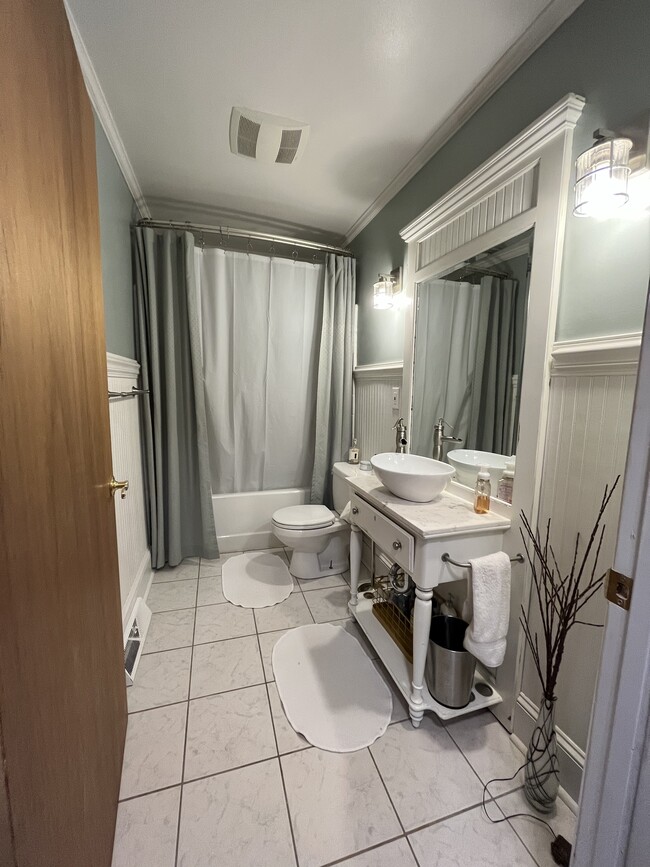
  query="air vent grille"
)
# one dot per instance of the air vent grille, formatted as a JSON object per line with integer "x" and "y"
{"x": 247, "y": 134}
{"x": 289, "y": 144}
{"x": 267, "y": 138}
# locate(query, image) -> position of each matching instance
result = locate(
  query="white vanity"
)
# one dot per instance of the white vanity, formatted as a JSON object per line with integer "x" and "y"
{"x": 415, "y": 536}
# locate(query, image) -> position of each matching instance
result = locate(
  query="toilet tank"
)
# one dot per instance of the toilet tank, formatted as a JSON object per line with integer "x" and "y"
{"x": 341, "y": 472}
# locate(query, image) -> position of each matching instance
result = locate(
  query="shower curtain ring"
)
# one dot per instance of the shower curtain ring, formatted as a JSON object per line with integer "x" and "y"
{"x": 202, "y": 241}
{"x": 220, "y": 236}
{"x": 294, "y": 256}
{"x": 249, "y": 247}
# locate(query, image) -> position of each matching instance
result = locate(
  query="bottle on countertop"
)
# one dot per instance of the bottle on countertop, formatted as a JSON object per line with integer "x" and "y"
{"x": 353, "y": 453}
{"x": 482, "y": 492}
{"x": 504, "y": 488}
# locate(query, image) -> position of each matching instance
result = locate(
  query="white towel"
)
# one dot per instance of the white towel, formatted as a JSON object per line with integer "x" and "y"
{"x": 488, "y": 605}
{"x": 346, "y": 514}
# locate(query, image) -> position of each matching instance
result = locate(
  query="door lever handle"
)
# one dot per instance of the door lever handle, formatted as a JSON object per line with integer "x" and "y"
{"x": 122, "y": 487}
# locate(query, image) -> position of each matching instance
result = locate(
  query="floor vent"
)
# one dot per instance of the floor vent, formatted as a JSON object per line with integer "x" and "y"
{"x": 134, "y": 639}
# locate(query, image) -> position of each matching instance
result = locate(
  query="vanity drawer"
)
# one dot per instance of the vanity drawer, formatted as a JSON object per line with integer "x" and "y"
{"x": 391, "y": 538}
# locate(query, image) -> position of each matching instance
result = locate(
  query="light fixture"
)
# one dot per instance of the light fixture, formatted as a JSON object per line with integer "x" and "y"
{"x": 387, "y": 290}
{"x": 602, "y": 174}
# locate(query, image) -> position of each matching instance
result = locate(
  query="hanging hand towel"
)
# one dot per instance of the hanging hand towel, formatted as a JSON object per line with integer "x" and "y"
{"x": 489, "y": 604}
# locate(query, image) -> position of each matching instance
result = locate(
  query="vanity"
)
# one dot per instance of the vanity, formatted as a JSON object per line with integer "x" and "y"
{"x": 416, "y": 536}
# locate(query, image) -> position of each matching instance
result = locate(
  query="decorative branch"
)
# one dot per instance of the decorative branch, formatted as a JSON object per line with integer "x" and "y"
{"x": 560, "y": 598}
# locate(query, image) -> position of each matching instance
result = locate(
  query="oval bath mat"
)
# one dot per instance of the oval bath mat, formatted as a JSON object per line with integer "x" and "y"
{"x": 256, "y": 579}
{"x": 331, "y": 692}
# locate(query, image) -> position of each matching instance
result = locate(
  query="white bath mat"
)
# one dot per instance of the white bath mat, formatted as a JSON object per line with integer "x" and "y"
{"x": 331, "y": 692}
{"x": 256, "y": 580}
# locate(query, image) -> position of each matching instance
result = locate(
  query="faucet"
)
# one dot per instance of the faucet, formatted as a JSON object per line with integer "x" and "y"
{"x": 439, "y": 439}
{"x": 400, "y": 436}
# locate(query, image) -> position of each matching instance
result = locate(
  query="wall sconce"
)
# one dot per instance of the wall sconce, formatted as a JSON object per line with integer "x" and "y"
{"x": 603, "y": 171}
{"x": 387, "y": 290}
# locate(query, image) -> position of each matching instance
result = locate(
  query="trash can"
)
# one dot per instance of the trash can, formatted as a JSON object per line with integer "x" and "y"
{"x": 449, "y": 671}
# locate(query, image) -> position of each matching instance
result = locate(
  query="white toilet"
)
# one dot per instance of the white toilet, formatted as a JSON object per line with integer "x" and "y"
{"x": 319, "y": 538}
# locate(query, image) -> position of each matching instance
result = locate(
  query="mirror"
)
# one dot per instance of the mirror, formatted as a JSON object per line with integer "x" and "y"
{"x": 470, "y": 327}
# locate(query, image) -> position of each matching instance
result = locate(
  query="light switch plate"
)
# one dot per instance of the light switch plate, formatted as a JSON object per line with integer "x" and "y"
{"x": 395, "y": 391}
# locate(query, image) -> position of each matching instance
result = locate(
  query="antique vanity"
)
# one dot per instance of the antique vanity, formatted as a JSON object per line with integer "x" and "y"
{"x": 482, "y": 270}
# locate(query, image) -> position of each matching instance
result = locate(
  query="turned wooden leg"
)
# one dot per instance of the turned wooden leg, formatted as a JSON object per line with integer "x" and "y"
{"x": 421, "y": 627}
{"x": 356, "y": 546}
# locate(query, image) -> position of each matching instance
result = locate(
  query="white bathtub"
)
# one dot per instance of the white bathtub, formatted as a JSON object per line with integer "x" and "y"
{"x": 243, "y": 521}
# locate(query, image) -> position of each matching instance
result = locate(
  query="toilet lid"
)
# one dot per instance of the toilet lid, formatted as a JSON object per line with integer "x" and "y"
{"x": 303, "y": 517}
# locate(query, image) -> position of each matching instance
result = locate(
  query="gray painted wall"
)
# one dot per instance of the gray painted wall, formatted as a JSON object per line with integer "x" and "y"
{"x": 600, "y": 52}
{"x": 116, "y": 209}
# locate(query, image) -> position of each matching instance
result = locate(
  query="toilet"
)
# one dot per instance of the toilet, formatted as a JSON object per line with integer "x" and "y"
{"x": 320, "y": 540}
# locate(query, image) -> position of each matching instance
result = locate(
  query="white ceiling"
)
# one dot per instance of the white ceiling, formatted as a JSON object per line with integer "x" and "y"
{"x": 374, "y": 78}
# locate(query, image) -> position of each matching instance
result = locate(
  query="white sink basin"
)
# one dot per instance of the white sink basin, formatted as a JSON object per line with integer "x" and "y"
{"x": 411, "y": 477}
{"x": 467, "y": 463}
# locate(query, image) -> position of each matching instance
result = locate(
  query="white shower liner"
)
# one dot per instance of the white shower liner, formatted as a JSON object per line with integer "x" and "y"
{"x": 243, "y": 521}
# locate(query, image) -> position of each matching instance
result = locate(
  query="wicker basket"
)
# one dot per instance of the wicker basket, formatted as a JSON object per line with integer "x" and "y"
{"x": 394, "y": 621}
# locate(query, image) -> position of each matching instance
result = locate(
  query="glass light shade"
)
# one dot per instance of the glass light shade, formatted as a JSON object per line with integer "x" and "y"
{"x": 602, "y": 174}
{"x": 383, "y": 293}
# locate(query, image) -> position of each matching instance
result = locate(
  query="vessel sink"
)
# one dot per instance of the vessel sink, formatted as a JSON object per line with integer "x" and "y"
{"x": 411, "y": 477}
{"x": 467, "y": 463}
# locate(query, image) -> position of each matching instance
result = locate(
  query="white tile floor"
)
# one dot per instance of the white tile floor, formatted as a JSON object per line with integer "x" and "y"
{"x": 215, "y": 775}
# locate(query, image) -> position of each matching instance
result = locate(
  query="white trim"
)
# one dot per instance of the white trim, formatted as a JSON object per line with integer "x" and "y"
{"x": 121, "y": 367}
{"x": 140, "y": 588}
{"x": 509, "y": 160}
{"x": 597, "y": 356}
{"x": 105, "y": 116}
{"x": 542, "y": 27}
{"x": 369, "y": 372}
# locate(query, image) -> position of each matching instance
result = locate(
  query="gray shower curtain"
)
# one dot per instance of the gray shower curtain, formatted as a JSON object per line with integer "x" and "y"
{"x": 181, "y": 521}
{"x": 334, "y": 390}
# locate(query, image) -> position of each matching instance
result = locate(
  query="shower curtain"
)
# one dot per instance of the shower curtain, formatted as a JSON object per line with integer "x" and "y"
{"x": 181, "y": 521}
{"x": 261, "y": 323}
{"x": 334, "y": 400}
{"x": 445, "y": 360}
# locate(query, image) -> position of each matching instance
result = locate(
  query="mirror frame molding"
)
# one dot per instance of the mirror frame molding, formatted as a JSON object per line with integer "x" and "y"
{"x": 524, "y": 185}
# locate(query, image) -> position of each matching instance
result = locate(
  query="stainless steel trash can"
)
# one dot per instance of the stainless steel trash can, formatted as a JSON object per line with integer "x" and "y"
{"x": 449, "y": 671}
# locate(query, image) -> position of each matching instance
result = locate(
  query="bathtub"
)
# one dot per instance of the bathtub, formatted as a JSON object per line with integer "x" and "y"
{"x": 243, "y": 521}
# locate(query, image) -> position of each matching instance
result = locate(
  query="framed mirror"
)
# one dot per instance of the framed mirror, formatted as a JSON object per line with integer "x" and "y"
{"x": 468, "y": 354}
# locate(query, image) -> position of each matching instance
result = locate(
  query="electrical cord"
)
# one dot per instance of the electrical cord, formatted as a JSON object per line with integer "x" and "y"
{"x": 560, "y": 847}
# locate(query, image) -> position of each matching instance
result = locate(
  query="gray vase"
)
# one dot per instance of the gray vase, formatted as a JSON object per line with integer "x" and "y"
{"x": 542, "y": 774}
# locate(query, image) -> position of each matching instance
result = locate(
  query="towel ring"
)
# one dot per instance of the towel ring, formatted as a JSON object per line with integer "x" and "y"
{"x": 519, "y": 558}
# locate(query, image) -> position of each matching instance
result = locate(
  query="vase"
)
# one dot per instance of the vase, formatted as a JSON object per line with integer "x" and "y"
{"x": 542, "y": 775}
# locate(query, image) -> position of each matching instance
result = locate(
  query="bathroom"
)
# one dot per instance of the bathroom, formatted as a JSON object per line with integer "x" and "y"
{"x": 291, "y": 298}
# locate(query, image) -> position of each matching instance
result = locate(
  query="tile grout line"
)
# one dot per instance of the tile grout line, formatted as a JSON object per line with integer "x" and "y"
{"x": 277, "y": 745}
{"x": 187, "y": 720}
{"x": 390, "y": 800}
{"x": 366, "y": 850}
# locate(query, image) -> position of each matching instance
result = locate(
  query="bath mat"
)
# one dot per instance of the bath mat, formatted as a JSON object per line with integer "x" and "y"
{"x": 331, "y": 692}
{"x": 256, "y": 580}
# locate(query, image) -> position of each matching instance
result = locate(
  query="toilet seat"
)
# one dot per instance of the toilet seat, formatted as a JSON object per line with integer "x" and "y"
{"x": 304, "y": 517}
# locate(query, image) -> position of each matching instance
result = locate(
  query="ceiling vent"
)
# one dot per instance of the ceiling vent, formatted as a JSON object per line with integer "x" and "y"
{"x": 266, "y": 137}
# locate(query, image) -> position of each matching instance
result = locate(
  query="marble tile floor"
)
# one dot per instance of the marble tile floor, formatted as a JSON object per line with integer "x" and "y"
{"x": 215, "y": 776}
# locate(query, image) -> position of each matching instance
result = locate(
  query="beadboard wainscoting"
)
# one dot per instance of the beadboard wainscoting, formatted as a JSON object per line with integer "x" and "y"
{"x": 374, "y": 415}
{"x": 590, "y": 410}
{"x": 130, "y": 517}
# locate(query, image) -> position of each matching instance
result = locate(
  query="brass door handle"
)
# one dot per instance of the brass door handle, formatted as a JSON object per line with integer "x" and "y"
{"x": 122, "y": 487}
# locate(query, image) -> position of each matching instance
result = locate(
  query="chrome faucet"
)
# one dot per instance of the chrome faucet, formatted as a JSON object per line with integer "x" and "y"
{"x": 439, "y": 439}
{"x": 400, "y": 436}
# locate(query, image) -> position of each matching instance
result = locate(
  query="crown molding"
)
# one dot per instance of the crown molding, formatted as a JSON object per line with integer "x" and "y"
{"x": 538, "y": 32}
{"x": 384, "y": 371}
{"x": 615, "y": 355}
{"x": 523, "y": 149}
{"x": 103, "y": 112}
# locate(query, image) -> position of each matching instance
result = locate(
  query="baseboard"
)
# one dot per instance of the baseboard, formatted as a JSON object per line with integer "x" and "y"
{"x": 570, "y": 756}
{"x": 140, "y": 587}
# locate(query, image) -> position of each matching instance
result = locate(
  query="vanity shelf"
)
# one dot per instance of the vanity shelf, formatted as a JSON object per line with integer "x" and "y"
{"x": 400, "y": 668}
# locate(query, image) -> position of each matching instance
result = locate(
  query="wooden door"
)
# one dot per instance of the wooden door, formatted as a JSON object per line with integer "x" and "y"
{"x": 62, "y": 692}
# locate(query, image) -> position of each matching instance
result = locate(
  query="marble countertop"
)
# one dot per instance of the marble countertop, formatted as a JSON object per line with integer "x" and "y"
{"x": 450, "y": 514}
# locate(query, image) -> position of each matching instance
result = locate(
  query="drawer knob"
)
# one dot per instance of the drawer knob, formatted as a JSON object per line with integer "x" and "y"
{"x": 355, "y": 510}
{"x": 397, "y": 545}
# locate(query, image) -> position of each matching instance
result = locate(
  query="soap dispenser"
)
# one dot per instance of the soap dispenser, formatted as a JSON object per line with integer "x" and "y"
{"x": 504, "y": 488}
{"x": 482, "y": 492}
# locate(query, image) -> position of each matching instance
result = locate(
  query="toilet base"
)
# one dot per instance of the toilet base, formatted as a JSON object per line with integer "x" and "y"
{"x": 332, "y": 561}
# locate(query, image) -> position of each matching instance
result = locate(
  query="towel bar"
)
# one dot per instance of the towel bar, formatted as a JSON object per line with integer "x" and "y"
{"x": 447, "y": 559}
{"x": 134, "y": 391}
